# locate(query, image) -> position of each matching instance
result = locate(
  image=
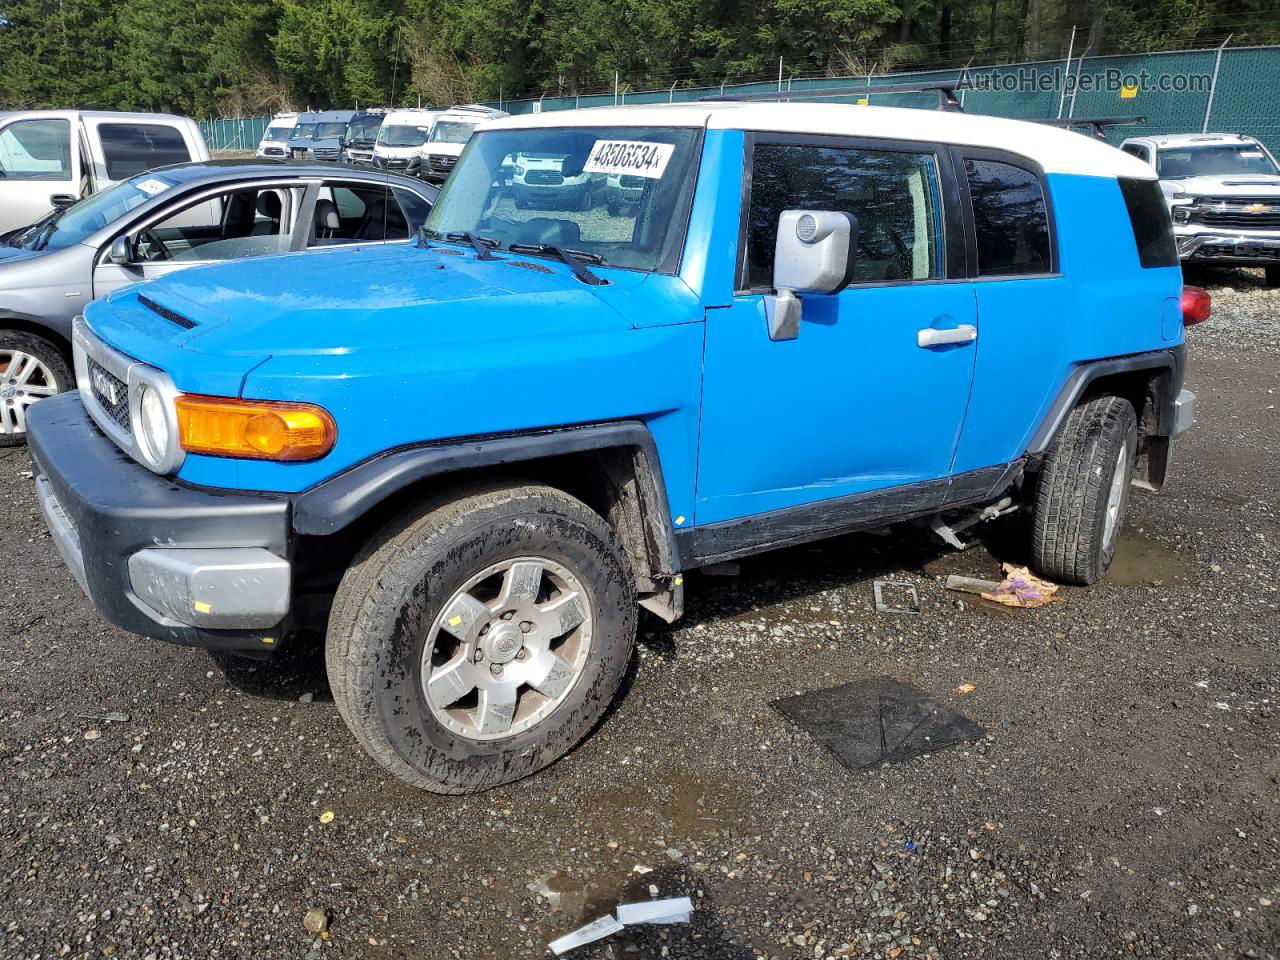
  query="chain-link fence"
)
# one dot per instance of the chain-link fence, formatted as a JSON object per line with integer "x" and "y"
{"x": 1186, "y": 91}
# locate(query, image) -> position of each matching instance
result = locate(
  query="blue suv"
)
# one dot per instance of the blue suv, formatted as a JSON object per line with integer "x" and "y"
{"x": 467, "y": 461}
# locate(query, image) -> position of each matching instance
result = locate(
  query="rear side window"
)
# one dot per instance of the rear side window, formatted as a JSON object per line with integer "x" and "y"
{"x": 1149, "y": 217}
{"x": 1010, "y": 219}
{"x": 132, "y": 148}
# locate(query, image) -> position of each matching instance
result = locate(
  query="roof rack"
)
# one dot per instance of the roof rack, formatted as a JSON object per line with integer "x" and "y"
{"x": 945, "y": 90}
{"x": 1095, "y": 125}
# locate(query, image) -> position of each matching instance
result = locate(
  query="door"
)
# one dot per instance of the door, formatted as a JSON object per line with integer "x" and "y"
{"x": 244, "y": 221}
{"x": 348, "y": 212}
{"x": 872, "y": 393}
{"x": 39, "y": 168}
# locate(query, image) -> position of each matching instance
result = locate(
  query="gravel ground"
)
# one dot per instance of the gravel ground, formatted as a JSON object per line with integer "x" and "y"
{"x": 155, "y": 803}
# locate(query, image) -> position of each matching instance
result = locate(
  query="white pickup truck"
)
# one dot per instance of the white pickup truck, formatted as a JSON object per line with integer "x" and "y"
{"x": 50, "y": 158}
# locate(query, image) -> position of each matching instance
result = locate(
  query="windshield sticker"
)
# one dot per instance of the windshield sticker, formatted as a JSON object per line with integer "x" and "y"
{"x": 151, "y": 186}
{"x": 1251, "y": 154}
{"x": 630, "y": 157}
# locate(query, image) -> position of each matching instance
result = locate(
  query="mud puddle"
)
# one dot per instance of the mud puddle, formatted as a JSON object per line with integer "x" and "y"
{"x": 1142, "y": 560}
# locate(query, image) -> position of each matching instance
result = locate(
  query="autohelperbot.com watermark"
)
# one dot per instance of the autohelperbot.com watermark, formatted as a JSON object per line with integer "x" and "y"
{"x": 1107, "y": 80}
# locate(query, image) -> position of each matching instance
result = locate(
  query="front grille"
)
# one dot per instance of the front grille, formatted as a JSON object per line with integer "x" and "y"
{"x": 171, "y": 315}
{"x": 442, "y": 164}
{"x": 111, "y": 393}
{"x": 396, "y": 163}
{"x": 326, "y": 154}
{"x": 1241, "y": 218}
{"x": 550, "y": 178}
{"x": 273, "y": 151}
{"x": 630, "y": 181}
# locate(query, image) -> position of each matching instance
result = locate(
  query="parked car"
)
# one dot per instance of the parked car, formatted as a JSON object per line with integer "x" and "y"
{"x": 467, "y": 460}
{"x": 168, "y": 220}
{"x": 275, "y": 139}
{"x": 449, "y": 134}
{"x": 329, "y": 138}
{"x": 299, "y": 143}
{"x": 402, "y": 140}
{"x": 1223, "y": 191}
{"x": 538, "y": 180}
{"x": 362, "y": 135}
{"x": 52, "y": 158}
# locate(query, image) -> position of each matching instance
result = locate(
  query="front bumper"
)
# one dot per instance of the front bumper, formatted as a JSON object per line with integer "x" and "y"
{"x": 191, "y": 566}
{"x": 1201, "y": 244}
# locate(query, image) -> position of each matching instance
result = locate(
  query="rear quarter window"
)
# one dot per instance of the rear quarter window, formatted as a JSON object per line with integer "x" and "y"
{"x": 132, "y": 148}
{"x": 1149, "y": 217}
{"x": 1010, "y": 219}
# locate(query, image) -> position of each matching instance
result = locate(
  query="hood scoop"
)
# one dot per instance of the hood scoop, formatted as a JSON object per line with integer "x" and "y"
{"x": 171, "y": 315}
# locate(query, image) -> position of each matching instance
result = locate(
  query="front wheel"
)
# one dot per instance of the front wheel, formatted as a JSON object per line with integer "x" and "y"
{"x": 1083, "y": 491}
{"x": 477, "y": 639}
{"x": 31, "y": 369}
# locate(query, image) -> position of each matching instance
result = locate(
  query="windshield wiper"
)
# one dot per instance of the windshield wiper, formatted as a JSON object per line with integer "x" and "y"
{"x": 576, "y": 260}
{"x": 482, "y": 245}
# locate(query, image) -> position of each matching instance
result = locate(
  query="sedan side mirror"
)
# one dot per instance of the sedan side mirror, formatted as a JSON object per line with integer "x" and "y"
{"x": 121, "y": 252}
{"x": 815, "y": 253}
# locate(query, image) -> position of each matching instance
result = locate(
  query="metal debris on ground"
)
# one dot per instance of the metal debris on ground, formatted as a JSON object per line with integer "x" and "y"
{"x": 913, "y": 598}
{"x": 673, "y": 910}
{"x": 1022, "y": 588}
{"x": 870, "y": 722}
{"x": 113, "y": 717}
{"x": 970, "y": 584}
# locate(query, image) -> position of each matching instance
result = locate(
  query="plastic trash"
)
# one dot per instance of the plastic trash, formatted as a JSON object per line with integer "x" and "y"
{"x": 1022, "y": 588}
{"x": 672, "y": 910}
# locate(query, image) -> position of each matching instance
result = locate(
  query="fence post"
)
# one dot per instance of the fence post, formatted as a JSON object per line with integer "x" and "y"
{"x": 1213, "y": 84}
{"x": 1062, "y": 93}
{"x": 671, "y": 94}
{"x": 779, "y": 74}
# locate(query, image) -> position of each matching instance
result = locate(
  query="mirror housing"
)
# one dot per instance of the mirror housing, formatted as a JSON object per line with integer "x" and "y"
{"x": 121, "y": 252}
{"x": 815, "y": 252}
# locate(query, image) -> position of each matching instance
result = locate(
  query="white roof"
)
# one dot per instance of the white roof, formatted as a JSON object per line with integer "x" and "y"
{"x": 1057, "y": 151}
{"x": 411, "y": 116}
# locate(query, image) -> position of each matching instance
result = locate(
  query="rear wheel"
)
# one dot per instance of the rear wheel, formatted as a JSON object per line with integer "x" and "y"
{"x": 31, "y": 369}
{"x": 1083, "y": 491}
{"x": 478, "y": 639}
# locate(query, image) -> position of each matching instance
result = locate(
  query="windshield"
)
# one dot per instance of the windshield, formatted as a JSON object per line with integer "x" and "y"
{"x": 303, "y": 131}
{"x": 1177, "y": 163}
{"x": 278, "y": 133}
{"x": 365, "y": 128}
{"x": 619, "y": 194}
{"x": 77, "y": 222}
{"x": 330, "y": 131}
{"x": 449, "y": 131}
{"x": 403, "y": 136}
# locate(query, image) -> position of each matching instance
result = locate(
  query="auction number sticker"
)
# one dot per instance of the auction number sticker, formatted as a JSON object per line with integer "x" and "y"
{"x": 629, "y": 157}
{"x": 151, "y": 186}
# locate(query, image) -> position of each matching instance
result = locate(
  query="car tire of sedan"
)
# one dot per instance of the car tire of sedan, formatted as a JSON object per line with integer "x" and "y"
{"x": 1273, "y": 276}
{"x": 480, "y": 636}
{"x": 31, "y": 368}
{"x": 1083, "y": 490}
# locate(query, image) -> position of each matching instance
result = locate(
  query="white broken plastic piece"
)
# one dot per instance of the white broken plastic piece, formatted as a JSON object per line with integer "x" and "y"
{"x": 606, "y": 926}
{"x": 674, "y": 910}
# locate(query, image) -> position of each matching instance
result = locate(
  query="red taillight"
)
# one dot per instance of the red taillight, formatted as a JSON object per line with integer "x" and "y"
{"x": 1196, "y": 306}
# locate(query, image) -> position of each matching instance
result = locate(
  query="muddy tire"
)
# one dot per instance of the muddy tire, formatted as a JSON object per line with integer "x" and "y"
{"x": 31, "y": 368}
{"x": 477, "y": 638}
{"x": 1083, "y": 491}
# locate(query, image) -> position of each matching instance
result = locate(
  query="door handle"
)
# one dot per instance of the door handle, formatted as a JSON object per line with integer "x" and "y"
{"x": 62, "y": 199}
{"x": 931, "y": 337}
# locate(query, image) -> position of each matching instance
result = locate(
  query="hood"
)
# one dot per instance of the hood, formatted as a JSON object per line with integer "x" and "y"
{"x": 1232, "y": 185}
{"x": 14, "y": 254}
{"x": 442, "y": 149}
{"x": 364, "y": 299}
{"x": 383, "y": 150}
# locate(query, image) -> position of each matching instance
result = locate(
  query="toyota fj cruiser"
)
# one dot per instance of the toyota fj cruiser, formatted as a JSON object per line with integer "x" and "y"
{"x": 469, "y": 460}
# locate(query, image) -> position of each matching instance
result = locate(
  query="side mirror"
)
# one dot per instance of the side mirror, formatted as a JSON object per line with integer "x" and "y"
{"x": 121, "y": 252}
{"x": 815, "y": 253}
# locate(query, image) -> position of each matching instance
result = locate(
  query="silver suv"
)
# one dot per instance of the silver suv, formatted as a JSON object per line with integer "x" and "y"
{"x": 1223, "y": 191}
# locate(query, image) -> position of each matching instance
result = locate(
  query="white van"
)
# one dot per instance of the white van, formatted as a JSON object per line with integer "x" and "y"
{"x": 402, "y": 139}
{"x": 450, "y": 134}
{"x": 275, "y": 139}
{"x": 52, "y": 158}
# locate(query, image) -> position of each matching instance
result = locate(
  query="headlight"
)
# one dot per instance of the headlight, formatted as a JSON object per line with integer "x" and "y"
{"x": 1181, "y": 214}
{"x": 254, "y": 429}
{"x": 152, "y": 433}
{"x": 519, "y": 170}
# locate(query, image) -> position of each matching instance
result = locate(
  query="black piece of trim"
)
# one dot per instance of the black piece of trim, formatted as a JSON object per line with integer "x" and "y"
{"x": 1170, "y": 361}
{"x": 335, "y": 503}
{"x": 945, "y": 89}
{"x": 829, "y": 518}
{"x": 119, "y": 507}
{"x": 171, "y": 315}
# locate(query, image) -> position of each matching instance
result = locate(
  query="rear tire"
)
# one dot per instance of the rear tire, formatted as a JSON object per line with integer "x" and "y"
{"x": 31, "y": 368}
{"x": 1083, "y": 491}
{"x": 437, "y": 681}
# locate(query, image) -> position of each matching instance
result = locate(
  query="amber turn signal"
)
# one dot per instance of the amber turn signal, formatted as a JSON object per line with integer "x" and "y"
{"x": 254, "y": 429}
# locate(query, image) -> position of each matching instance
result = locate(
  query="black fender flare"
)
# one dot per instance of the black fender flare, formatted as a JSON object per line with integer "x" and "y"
{"x": 333, "y": 504}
